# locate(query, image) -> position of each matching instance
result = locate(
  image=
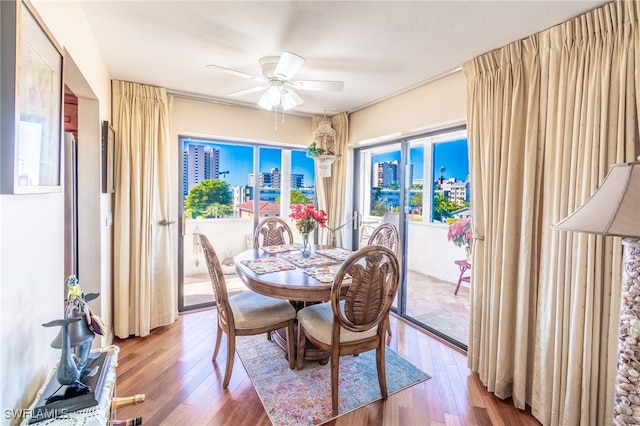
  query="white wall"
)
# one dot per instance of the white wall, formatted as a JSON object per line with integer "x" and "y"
{"x": 438, "y": 104}
{"x": 32, "y": 269}
{"x": 430, "y": 253}
{"x": 32, "y": 241}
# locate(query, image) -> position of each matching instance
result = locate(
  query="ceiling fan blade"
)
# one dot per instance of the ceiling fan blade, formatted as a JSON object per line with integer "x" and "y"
{"x": 288, "y": 65}
{"x": 332, "y": 86}
{"x": 246, "y": 91}
{"x": 236, "y": 73}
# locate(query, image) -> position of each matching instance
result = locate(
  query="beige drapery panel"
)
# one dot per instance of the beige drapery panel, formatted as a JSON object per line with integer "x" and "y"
{"x": 144, "y": 283}
{"x": 331, "y": 190}
{"x": 547, "y": 116}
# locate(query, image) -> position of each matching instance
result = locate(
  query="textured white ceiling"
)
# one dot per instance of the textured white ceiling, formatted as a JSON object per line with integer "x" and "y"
{"x": 378, "y": 48}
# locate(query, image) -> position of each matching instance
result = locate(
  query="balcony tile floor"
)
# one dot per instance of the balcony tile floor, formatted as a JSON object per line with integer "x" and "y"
{"x": 430, "y": 301}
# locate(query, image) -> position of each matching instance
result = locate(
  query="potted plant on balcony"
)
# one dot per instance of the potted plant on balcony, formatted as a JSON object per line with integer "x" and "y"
{"x": 460, "y": 234}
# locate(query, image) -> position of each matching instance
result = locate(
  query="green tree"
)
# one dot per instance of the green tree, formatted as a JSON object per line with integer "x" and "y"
{"x": 442, "y": 207}
{"x": 379, "y": 207}
{"x": 218, "y": 210}
{"x": 416, "y": 202}
{"x": 208, "y": 196}
{"x": 297, "y": 197}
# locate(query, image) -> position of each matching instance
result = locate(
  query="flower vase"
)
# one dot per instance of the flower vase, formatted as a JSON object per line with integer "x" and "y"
{"x": 305, "y": 251}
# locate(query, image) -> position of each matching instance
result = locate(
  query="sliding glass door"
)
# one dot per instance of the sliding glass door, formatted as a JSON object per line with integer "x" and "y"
{"x": 226, "y": 188}
{"x": 420, "y": 184}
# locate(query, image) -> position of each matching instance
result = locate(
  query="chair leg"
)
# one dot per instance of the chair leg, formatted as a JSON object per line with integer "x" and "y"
{"x": 231, "y": 352}
{"x": 300, "y": 348}
{"x": 335, "y": 372}
{"x": 218, "y": 340}
{"x": 382, "y": 377}
{"x": 291, "y": 351}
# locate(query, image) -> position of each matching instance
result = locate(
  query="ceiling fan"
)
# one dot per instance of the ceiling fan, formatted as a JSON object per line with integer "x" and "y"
{"x": 278, "y": 83}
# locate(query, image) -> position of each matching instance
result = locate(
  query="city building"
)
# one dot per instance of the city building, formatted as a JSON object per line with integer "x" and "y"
{"x": 273, "y": 179}
{"x": 200, "y": 162}
{"x": 384, "y": 174}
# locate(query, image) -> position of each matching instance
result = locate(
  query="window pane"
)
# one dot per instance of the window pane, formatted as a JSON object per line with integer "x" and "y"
{"x": 215, "y": 178}
{"x": 270, "y": 181}
{"x": 303, "y": 189}
{"x": 450, "y": 179}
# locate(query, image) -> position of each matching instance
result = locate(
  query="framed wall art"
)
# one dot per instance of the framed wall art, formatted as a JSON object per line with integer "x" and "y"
{"x": 31, "y": 112}
{"x": 108, "y": 157}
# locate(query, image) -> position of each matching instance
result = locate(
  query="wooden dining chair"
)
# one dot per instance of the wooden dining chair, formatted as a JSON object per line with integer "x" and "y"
{"x": 245, "y": 314}
{"x": 355, "y": 323}
{"x": 386, "y": 235}
{"x": 274, "y": 231}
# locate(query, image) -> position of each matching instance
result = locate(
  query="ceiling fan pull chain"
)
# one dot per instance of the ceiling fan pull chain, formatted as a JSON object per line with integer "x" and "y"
{"x": 275, "y": 119}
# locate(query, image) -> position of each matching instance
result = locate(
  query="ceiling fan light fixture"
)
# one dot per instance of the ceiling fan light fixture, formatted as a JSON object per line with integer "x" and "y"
{"x": 290, "y": 99}
{"x": 277, "y": 77}
{"x": 264, "y": 102}
{"x": 274, "y": 94}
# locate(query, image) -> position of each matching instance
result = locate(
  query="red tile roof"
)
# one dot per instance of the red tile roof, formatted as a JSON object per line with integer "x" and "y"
{"x": 263, "y": 206}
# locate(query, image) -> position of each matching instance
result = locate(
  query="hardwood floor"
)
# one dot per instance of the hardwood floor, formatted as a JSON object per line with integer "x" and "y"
{"x": 173, "y": 368}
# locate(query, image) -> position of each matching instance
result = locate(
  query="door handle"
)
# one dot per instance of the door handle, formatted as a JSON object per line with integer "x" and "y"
{"x": 165, "y": 222}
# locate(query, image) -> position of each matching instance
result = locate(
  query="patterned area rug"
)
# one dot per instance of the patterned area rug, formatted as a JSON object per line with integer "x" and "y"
{"x": 300, "y": 398}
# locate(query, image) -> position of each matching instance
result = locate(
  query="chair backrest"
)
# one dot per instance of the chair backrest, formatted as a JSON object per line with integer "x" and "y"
{"x": 217, "y": 278}
{"x": 386, "y": 235}
{"x": 274, "y": 231}
{"x": 374, "y": 276}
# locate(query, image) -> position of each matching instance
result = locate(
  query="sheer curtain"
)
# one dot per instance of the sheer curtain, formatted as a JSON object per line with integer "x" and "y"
{"x": 547, "y": 116}
{"x": 144, "y": 279}
{"x": 331, "y": 190}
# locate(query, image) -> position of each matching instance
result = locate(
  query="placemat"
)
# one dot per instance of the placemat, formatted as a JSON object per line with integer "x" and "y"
{"x": 336, "y": 253}
{"x": 282, "y": 248}
{"x": 266, "y": 266}
{"x": 323, "y": 274}
{"x": 313, "y": 260}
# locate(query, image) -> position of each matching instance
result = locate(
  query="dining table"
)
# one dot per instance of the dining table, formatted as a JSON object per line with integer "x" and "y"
{"x": 282, "y": 271}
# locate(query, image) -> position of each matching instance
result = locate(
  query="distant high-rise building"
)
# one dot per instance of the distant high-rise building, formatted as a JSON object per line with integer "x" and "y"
{"x": 384, "y": 174}
{"x": 199, "y": 163}
{"x": 297, "y": 180}
{"x": 273, "y": 179}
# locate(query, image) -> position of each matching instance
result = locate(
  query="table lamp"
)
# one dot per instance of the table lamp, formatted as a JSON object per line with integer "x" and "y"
{"x": 614, "y": 209}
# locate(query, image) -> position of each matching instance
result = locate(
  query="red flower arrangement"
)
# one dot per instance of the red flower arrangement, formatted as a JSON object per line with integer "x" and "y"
{"x": 307, "y": 217}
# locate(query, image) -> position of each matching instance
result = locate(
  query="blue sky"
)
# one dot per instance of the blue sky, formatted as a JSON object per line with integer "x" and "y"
{"x": 453, "y": 155}
{"x": 238, "y": 160}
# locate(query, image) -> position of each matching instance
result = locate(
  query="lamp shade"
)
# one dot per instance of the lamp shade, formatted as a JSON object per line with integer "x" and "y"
{"x": 614, "y": 209}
